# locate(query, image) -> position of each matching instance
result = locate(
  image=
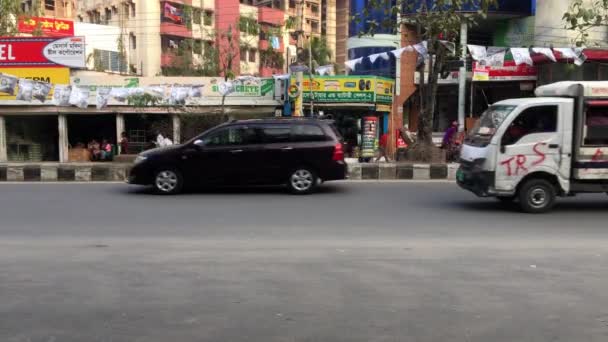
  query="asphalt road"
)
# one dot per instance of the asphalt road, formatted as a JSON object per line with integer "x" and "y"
{"x": 356, "y": 262}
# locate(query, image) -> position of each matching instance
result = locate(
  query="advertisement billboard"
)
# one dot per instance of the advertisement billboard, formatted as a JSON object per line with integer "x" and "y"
{"x": 348, "y": 89}
{"x": 49, "y": 75}
{"x": 36, "y": 52}
{"x": 508, "y": 72}
{"x": 49, "y": 27}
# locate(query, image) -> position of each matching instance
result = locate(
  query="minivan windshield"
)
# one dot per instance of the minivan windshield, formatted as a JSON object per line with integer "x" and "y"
{"x": 488, "y": 123}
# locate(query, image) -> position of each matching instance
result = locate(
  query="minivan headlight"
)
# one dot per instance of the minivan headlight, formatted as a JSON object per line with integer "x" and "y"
{"x": 140, "y": 159}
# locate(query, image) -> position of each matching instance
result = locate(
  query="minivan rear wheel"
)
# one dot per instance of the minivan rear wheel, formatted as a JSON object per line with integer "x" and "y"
{"x": 302, "y": 180}
{"x": 168, "y": 181}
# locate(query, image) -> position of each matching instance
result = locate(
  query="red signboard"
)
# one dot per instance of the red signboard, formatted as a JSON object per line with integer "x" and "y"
{"x": 48, "y": 26}
{"x": 510, "y": 72}
{"x": 42, "y": 52}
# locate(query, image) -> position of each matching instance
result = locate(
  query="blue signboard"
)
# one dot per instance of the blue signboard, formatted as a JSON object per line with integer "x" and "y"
{"x": 520, "y": 7}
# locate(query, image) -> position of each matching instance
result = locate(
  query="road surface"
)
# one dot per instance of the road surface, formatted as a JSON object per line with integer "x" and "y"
{"x": 357, "y": 262}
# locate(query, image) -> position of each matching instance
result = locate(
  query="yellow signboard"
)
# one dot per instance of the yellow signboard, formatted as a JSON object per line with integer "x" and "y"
{"x": 49, "y": 75}
{"x": 348, "y": 89}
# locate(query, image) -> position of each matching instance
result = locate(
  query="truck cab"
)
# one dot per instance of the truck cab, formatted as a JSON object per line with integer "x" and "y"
{"x": 536, "y": 149}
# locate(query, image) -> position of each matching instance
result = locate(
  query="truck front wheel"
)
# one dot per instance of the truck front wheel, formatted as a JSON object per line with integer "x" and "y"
{"x": 537, "y": 196}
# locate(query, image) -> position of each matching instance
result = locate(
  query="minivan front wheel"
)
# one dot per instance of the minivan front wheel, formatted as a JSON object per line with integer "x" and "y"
{"x": 168, "y": 181}
{"x": 302, "y": 181}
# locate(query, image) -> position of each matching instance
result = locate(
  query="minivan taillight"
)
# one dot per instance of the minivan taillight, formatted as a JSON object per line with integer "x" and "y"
{"x": 338, "y": 152}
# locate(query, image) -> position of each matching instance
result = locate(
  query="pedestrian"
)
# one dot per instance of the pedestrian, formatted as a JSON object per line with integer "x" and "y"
{"x": 160, "y": 140}
{"x": 449, "y": 142}
{"x": 124, "y": 143}
{"x": 382, "y": 148}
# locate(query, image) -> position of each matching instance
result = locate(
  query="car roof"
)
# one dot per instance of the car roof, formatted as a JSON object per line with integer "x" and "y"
{"x": 282, "y": 121}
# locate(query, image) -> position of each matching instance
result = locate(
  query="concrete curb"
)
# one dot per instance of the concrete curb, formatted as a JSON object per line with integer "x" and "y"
{"x": 117, "y": 172}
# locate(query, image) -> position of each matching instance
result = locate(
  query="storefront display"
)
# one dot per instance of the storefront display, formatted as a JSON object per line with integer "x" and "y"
{"x": 369, "y": 136}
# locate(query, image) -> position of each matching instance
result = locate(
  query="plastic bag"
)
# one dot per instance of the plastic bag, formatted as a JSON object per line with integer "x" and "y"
{"x": 155, "y": 91}
{"x": 61, "y": 95}
{"x": 8, "y": 84}
{"x": 226, "y": 88}
{"x": 119, "y": 94}
{"x": 196, "y": 91}
{"x": 103, "y": 95}
{"x": 41, "y": 91}
{"x": 79, "y": 97}
{"x": 24, "y": 92}
{"x": 179, "y": 95}
{"x": 136, "y": 91}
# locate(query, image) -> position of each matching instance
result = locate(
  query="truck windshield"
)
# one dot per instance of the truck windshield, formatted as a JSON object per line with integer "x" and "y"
{"x": 487, "y": 125}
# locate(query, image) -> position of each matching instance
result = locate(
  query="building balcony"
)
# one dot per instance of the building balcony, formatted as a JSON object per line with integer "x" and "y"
{"x": 181, "y": 2}
{"x": 171, "y": 29}
{"x": 170, "y": 59}
{"x": 271, "y": 16}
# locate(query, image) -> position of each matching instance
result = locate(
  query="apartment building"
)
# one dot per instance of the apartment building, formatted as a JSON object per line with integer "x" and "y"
{"x": 178, "y": 36}
{"x": 318, "y": 19}
{"x": 59, "y": 9}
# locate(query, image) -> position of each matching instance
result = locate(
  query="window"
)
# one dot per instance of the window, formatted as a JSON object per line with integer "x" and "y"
{"x": 133, "y": 40}
{"x": 304, "y": 132}
{"x": 234, "y": 136}
{"x": 276, "y": 134}
{"x": 133, "y": 9}
{"x": 540, "y": 119}
{"x": 252, "y": 54}
{"x": 596, "y": 126}
{"x": 244, "y": 53}
{"x": 80, "y": 19}
{"x": 26, "y": 5}
{"x": 114, "y": 10}
{"x": 49, "y": 5}
{"x": 196, "y": 15}
{"x": 108, "y": 15}
{"x": 292, "y": 4}
{"x": 208, "y": 18}
{"x": 197, "y": 47}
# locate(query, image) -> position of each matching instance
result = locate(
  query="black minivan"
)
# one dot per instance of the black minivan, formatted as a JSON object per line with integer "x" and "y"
{"x": 300, "y": 153}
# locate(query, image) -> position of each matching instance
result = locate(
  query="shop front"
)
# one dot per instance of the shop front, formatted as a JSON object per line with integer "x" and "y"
{"x": 354, "y": 103}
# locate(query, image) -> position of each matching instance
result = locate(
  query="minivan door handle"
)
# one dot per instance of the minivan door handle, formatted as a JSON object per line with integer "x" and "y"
{"x": 287, "y": 148}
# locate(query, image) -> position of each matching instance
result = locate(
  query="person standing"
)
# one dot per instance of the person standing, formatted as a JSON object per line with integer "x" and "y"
{"x": 382, "y": 145}
{"x": 124, "y": 143}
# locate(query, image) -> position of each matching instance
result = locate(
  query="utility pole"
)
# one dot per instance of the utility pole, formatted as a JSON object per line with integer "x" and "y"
{"x": 462, "y": 76}
{"x": 298, "y": 110}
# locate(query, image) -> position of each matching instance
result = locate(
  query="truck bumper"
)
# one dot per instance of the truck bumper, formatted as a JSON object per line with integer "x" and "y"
{"x": 479, "y": 182}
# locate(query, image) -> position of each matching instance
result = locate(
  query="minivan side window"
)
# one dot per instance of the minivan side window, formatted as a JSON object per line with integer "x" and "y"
{"x": 239, "y": 135}
{"x": 276, "y": 134}
{"x": 307, "y": 133}
{"x": 539, "y": 119}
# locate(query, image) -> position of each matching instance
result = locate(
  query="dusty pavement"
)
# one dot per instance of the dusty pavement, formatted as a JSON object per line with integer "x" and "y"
{"x": 357, "y": 262}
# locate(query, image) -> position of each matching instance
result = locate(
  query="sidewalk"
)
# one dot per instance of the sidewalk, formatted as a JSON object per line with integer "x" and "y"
{"x": 117, "y": 172}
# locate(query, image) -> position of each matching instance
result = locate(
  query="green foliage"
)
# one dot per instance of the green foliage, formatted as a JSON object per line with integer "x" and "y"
{"x": 208, "y": 18}
{"x": 430, "y": 19}
{"x": 143, "y": 100}
{"x": 249, "y": 25}
{"x": 196, "y": 15}
{"x": 11, "y": 9}
{"x": 271, "y": 58}
{"x": 187, "y": 13}
{"x": 290, "y": 23}
{"x": 582, "y": 16}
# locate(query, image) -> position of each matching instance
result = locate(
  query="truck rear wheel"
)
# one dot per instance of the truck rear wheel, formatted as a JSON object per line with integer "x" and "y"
{"x": 537, "y": 196}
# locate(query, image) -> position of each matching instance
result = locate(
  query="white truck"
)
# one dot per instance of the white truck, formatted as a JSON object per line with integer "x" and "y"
{"x": 535, "y": 149}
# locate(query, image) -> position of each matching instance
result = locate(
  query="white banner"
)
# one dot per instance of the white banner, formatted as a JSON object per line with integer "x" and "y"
{"x": 545, "y": 51}
{"x": 351, "y": 64}
{"x": 477, "y": 52}
{"x": 522, "y": 56}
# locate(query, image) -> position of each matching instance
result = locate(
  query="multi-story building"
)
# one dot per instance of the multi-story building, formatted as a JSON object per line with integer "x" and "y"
{"x": 174, "y": 37}
{"x": 60, "y": 9}
{"x": 319, "y": 19}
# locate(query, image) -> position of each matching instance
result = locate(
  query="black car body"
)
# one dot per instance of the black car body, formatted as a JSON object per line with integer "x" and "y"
{"x": 296, "y": 152}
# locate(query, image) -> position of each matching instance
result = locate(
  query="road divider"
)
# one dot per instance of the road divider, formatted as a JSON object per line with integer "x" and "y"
{"x": 113, "y": 172}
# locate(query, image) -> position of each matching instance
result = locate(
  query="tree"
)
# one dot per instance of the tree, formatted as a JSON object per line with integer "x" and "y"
{"x": 10, "y": 11}
{"x": 431, "y": 19}
{"x": 583, "y": 16}
{"x": 321, "y": 53}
